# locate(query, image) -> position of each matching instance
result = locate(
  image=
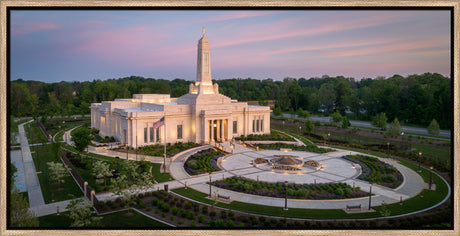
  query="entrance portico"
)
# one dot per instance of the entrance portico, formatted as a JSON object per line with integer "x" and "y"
{"x": 217, "y": 130}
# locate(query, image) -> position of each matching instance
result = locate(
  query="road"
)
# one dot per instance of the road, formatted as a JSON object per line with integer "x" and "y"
{"x": 365, "y": 124}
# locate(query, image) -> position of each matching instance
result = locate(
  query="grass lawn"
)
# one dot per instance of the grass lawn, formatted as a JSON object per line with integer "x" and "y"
{"x": 160, "y": 177}
{"x": 112, "y": 220}
{"x": 443, "y": 153}
{"x": 46, "y": 154}
{"x": 416, "y": 203}
{"x": 35, "y": 135}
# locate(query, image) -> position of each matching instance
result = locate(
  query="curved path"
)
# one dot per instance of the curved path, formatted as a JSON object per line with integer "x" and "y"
{"x": 412, "y": 185}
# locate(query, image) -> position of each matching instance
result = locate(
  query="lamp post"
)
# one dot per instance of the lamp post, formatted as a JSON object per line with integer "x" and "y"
{"x": 283, "y": 124}
{"x": 419, "y": 161}
{"x": 164, "y": 163}
{"x": 431, "y": 178}
{"x": 285, "y": 195}
{"x": 209, "y": 184}
{"x": 300, "y": 127}
{"x": 328, "y": 136}
{"x": 370, "y": 195}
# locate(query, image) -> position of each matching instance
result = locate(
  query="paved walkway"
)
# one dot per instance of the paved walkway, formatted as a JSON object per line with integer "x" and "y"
{"x": 33, "y": 185}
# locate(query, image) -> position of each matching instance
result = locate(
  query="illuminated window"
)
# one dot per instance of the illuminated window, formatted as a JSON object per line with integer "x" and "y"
{"x": 179, "y": 131}
{"x": 235, "y": 127}
{"x": 151, "y": 134}
{"x": 145, "y": 135}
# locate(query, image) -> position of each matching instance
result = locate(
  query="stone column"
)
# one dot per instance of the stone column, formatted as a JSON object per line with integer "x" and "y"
{"x": 222, "y": 130}
{"x": 212, "y": 130}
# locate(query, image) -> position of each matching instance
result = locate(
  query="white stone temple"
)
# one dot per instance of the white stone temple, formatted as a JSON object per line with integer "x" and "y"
{"x": 201, "y": 116}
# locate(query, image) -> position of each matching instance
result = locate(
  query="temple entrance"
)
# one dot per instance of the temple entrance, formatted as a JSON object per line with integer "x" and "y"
{"x": 218, "y": 130}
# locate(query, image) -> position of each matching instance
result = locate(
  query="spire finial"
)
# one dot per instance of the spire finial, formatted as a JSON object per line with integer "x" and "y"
{"x": 203, "y": 31}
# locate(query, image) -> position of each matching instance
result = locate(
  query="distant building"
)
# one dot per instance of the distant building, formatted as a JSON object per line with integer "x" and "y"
{"x": 201, "y": 116}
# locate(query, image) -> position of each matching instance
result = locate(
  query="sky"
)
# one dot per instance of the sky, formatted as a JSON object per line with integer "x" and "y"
{"x": 79, "y": 45}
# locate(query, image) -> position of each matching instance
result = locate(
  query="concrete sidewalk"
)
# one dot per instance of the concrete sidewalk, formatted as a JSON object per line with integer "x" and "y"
{"x": 33, "y": 185}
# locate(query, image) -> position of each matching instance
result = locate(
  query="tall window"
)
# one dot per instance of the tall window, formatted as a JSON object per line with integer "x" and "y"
{"x": 179, "y": 131}
{"x": 235, "y": 127}
{"x": 158, "y": 135}
{"x": 253, "y": 125}
{"x": 151, "y": 134}
{"x": 145, "y": 135}
{"x": 258, "y": 125}
{"x": 262, "y": 125}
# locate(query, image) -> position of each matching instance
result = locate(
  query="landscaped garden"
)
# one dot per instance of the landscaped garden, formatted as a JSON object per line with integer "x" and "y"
{"x": 308, "y": 148}
{"x": 297, "y": 191}
{"x": 376, "y": 171}
{"x": 203, "y": 161}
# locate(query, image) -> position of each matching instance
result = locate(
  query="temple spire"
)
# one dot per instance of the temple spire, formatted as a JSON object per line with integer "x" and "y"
{"x": 203, "y": 31}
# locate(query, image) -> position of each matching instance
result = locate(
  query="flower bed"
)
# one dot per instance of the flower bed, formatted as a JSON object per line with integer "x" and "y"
{"x": 374, "y": 170}
{"x": 311, "y": 163}
{"x": 298, "y": 191}
{"x": 203, "y": 162}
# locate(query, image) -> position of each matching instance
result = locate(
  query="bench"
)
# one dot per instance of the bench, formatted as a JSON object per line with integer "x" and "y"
{"x": 350, "y": 207}
{"x": 223, "y": 197}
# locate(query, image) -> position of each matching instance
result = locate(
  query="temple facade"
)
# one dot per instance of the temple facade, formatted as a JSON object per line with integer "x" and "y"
{"x": 202, "y": 116}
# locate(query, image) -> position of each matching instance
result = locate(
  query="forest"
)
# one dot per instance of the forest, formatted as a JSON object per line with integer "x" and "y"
{"x": 414, "y": 99}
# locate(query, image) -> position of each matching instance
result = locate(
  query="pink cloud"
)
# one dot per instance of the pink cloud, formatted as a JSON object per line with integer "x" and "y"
{"x": 32, "y": 27}
{"x": 281, "y": 29}
{"x": 408, "y": 46}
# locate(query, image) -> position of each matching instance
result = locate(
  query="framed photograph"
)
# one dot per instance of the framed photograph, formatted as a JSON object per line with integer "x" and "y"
{"x": 229, "y": 117}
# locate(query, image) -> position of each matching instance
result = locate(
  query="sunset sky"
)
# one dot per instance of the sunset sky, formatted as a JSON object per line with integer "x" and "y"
{"x": 77, "y": 45}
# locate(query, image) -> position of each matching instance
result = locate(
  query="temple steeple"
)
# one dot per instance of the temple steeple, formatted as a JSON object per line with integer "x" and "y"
{"x": 203, "y": 72}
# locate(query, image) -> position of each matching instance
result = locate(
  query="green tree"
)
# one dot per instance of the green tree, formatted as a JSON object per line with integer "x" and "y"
{"x": 380, "y": 120}
{"x": 345, "y": 122}
{"x": 82, "y": 138}
{"x": 57, "y": 172}
{"x": 394, "y": 128}
{"x": 277, "y": 111}
{"x": 303, "y": 114}
{"x": 81, "y": 214}
{"x": 309, "y": 126}
{"x": 433, "y": 128}
{"x": 101, "y": 170}
{"x": 336, "y": 118}
{"x": 131, "y": 168}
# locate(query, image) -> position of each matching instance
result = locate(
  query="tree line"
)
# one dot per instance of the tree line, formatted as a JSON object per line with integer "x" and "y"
{"x": 414, "y": 99}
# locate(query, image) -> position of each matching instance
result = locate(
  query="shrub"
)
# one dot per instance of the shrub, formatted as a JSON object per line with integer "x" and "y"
{"x": 140, "y": 195}
{"x": 262, "y": 218}
{"x": 220, "y": 223}
{"x": 201, "y": 218}
{"x": 163, "y": 214}
{"x": 192, "y": 223}
{"x": 148, "y": 209}
{"x": 155, "y": 202}
{"x": 174, "y": 210}
{"x": 244, "y": 219}
{"x": 182, "y": 213}
{"x": 306, "y": 223}
{"x": 103, "y": 206}
{"x": 230, "y": 224}
{"x": 241, "y": 224}
{"x": 339, "y": 191}
{"x": 141, "y": 205}
{"x": 180, "y": 222}
{"x": 171, "y": 218}
{"x": 191, "y": 215}
{"x": 211, "y": 223}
